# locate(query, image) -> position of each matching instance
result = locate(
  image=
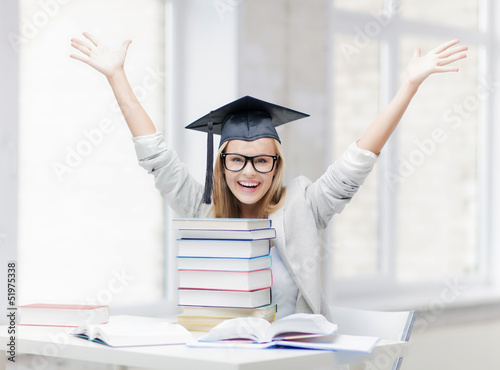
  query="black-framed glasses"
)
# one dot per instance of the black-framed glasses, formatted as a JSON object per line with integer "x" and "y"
{"x": 236, "y": 162}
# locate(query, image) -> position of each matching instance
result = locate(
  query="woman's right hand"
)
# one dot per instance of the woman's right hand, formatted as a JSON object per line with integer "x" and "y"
{"x": 99, "y": 56}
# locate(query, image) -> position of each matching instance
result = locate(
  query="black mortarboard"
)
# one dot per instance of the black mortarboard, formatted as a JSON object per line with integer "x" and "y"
{"x": 246, "y": 119}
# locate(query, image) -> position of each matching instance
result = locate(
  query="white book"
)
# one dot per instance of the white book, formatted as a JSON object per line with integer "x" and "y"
{"x": 255, "y": 234}
{"x": 221, "y": 223}
{"x": 310, "y": 331}
{"x": 230, "y": 311}
{"x": 224, "y": 264}
{"x": 223, "y": 248}
{"x": 128, "y": 331}
{"x": 48, "y": 314}
{"x": 213, "y": 320}
{"x": 259, "y": 330}
{"x": 224, "y": 298}
{"x": 335, "y": 342}
{"x": 225, "y": 280}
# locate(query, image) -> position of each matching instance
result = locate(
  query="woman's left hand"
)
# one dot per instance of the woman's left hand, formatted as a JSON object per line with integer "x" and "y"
{"x": 435, "y": 61}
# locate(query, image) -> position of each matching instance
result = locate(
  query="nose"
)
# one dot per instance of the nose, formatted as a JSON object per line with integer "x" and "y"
{"x": 248, "y": 170}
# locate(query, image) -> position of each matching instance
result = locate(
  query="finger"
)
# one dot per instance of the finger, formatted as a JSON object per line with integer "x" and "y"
{"x": 82, "y": 43}
{"x": 446, "y": 69}
{"x": 92, "y": 38}
{"x": 126, "y": 44}
{"x": 85, "y": 50}
{"x": 451, "y": 59}
{"x": 452, "y": 51}
{"x": 416, "y": 53}
{"x": 79, "y": 57}
{"x": 445, "y": 46}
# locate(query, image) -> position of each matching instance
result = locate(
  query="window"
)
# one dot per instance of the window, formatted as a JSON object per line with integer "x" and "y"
{"x": 417, "y": 219}
{"x": 92, "y": 227}
{"x": 93, "y": 216}
{"x": 90, "y": 220}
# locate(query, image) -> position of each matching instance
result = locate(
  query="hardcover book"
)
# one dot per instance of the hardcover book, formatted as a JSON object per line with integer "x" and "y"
{"x": 223, "y": 248}
{"x": 225, "y": 280}
{"x": 255, "y": 234}
{"x": 224, "y": 298}
{"x": 72, "y": 315}
{"x": 224, "y": 264}
{"x": 221, "y": 223}
{"x": 230, "y": 311}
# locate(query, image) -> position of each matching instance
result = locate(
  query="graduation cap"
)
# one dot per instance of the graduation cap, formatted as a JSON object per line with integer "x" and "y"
{"x": 246, "y": 119}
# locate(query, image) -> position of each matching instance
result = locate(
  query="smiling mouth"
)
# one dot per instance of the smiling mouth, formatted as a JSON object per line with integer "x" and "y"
{"x": 248, "y": 185}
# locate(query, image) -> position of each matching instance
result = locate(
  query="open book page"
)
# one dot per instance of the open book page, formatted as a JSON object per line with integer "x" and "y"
{"x": 260, "y": 330}
{"x": 251, "y": 328}
{"x": 123, "y": 331}
{"x": 300, "y": 323}
{"x": 230, "y": 344}
{"x": 335, "y": 342}
{"x": 349, "y": 343}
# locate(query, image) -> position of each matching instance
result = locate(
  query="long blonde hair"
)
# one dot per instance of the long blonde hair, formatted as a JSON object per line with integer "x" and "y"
{"x": 225, "y": 204}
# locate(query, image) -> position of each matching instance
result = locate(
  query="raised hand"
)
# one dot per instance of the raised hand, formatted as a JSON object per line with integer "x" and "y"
{"x": 435, "y": 61}
{"x": 99, "y": 56}
{"x": 110, "y": 63}
{"x": 419, "y": 68}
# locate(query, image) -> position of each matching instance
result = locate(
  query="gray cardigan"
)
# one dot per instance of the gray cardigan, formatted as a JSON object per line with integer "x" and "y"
{"x": 308, "y": 208}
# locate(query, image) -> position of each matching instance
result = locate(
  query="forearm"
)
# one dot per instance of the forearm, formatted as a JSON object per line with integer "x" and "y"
{"x": 137, "y": 119}
{"x": 379, "y": 131}
{"x": 335, "y": 188}
{"x": 172, "y": 179}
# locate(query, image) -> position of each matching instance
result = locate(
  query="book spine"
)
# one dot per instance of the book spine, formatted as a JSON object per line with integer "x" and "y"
{"x": 220, "y": 292}
{"x": 244, "y": 281}
{"x": 228, "y": 299}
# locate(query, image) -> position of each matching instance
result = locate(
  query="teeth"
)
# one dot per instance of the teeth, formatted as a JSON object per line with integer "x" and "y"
{"x": 249, "y": 184}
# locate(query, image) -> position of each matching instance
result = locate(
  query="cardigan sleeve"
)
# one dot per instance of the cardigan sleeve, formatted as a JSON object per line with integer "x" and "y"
{"x": 171, "y": 177}
{"x": 336, "y": 187}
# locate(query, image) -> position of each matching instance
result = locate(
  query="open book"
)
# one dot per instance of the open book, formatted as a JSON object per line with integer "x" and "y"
{"x": 126, "y": 331}
{"x": 259, "y": 330}
{"x": 307, "y": 331}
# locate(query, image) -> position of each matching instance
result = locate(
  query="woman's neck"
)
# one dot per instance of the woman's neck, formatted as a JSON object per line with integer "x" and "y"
{"x": 249, "y": 211}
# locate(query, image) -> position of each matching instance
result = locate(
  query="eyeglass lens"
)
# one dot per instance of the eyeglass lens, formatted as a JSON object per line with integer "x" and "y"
{"x": 261, "y": 163}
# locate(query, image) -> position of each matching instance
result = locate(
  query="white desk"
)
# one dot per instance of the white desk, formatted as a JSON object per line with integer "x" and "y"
{"x": 54, "y": 342}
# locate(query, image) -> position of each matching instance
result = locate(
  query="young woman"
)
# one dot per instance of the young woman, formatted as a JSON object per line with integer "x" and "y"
{"x": 248, "y": 171}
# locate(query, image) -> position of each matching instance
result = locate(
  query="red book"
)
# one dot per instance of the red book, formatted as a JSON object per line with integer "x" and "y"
{"x": 73, "y": 315}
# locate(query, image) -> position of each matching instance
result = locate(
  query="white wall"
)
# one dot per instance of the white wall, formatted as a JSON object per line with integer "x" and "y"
{"x": 467, "y": 346}
{"x": 9, "y": 103}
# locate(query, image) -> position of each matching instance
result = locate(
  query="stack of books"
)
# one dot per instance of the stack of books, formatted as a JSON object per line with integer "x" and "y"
{"x": 224, "y": 268}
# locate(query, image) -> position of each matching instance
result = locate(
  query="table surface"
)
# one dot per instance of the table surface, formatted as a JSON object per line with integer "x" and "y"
{"x": 56, "y": 342}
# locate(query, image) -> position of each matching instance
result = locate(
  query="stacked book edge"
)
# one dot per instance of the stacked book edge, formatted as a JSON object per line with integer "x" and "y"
{"x": 224, "y": 268}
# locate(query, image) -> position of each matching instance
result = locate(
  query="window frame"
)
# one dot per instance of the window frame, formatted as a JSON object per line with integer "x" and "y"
{"x": 179, "y": 14}
{"x": 9, "y": 134}
{"x": 9, "y": 105}
{"x": 381, "y": 290}
{"x": 368, "y": 292}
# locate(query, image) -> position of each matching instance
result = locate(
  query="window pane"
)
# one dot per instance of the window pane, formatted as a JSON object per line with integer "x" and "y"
{"x": 356, "y": 91}
{"x": 91, "y": 224}
{"x": 437, "y": 182}
{"x": 359, "y": 5}
{"x": 463, "y": 14}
